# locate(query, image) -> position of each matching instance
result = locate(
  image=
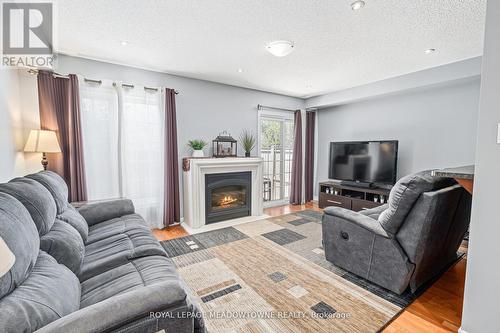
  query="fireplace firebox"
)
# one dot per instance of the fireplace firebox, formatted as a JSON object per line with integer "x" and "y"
{"x": 228, "y": 196}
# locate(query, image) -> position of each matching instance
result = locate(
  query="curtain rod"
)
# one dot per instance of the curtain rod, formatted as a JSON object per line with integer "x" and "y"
{"x": 261, "y": 107}
{"x": 123, "y": 85}
{"x": 54, "y": 74}
{"x": 35, "y": 71}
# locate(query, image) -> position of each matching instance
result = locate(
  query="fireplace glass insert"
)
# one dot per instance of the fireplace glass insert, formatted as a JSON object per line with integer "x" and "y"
{"x": 228, "y": 196}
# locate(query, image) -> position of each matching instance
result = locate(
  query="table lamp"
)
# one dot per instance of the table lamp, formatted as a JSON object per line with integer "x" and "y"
{"x": 41, "y": 141}
{"x": 7, "y": 258}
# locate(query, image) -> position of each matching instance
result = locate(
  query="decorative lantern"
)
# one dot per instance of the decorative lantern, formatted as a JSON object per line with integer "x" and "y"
{"x": 225, "y": 146}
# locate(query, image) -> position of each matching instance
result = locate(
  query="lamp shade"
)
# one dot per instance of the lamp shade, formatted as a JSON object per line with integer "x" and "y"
{"x": 7, "y": 258}
{"x": 41, "y": 141}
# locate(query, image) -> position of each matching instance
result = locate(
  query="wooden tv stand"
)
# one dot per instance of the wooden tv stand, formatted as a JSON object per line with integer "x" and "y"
{"x": 351, "y": 197}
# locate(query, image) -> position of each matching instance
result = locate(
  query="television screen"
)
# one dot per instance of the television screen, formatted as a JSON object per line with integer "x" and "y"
{"x": 367, "y": 162}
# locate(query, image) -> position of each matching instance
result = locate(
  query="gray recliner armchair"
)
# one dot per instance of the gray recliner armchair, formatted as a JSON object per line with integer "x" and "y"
{"x": 406, "y": 242}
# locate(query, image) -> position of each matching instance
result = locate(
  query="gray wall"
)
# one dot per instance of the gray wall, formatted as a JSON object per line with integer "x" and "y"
{"x": 481, "y": 307}
{"x": 18, "y": 115}
{"x": 203, "y": 108}
{"x": 436, "y": 127}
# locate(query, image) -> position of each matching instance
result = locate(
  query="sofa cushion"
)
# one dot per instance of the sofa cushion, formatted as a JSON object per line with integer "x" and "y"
{"x": 21, "y": 236}
{"x": 73, "y": 218}
{"x": 65, "y": 244}
{"x": 56, "y": 186}
{"x": 118, "y": 249}
{"x": 131, "y": 275}
{"x": 404, "y": 195}
{"x": 115, "y": 226}
{"x": 37, "y": 200}
{"x": 50, "y": 292}
{"x": 59, "y": 191}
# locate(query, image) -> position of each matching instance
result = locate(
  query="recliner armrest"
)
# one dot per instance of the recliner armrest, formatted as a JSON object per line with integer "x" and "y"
{"x": 359, "y": 219}
{"x": 124, "y": 309}
{"x": 96, "y": 212}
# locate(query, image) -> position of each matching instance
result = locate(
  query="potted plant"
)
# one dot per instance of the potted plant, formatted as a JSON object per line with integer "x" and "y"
{"x": 197, "y": 146}
{"x": 247, "y": 140}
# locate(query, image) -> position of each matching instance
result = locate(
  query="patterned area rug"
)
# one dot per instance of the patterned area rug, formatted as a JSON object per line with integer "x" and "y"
{"x": 272, "y": 276}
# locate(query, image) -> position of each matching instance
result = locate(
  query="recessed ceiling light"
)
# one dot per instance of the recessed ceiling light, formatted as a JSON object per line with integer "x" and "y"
{"x": 240, "y": 70}
{"x": 356, "y": 5}
{"x": 280, "y": 48}
{"x": 123, "y": 43}
{"x": 429, "y": 51}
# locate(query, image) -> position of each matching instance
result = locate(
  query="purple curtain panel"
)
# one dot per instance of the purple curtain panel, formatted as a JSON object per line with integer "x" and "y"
{"x": 309, "y": 156}
{"x": 171, "y": 196}
{"x": 296, "y": 180}
{"x": 59, "y": 106}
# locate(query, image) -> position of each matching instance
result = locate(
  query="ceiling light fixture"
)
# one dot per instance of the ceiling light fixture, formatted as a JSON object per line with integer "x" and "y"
{"x": 357, "y": 5}
{"x": 280, "y": 48}
{"x": 429, "y": 51}
{"x": 123, "y": 43}
{"x": 240, "y": 70}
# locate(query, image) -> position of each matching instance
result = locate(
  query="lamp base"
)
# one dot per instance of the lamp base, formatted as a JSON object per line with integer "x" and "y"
{"x": 45, "y": 162}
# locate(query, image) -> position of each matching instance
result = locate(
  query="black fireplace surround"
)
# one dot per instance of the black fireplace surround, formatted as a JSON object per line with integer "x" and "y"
{"x": 227, "y": 196}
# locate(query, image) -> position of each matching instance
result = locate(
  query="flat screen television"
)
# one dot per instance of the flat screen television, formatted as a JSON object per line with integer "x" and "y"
{"x": 364, "y": 162}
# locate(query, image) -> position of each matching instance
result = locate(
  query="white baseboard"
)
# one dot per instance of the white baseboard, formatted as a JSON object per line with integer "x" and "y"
{"x": 224, "y": 224}
{"x": 461, "y": 330}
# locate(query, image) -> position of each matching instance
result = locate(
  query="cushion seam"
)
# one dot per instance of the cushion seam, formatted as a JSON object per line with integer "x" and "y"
{"x": 52, "y": 192}
{"x": 139, "y": 272}
{"x": 371, "y": 257}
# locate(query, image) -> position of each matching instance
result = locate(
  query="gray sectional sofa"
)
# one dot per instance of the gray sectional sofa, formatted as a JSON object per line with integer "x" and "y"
{"x": 406, "y": 242}
{"x": 95, "y": 269}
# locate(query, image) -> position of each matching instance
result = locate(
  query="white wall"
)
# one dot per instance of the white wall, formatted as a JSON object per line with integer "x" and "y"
{"x": 435, "y": 126}
{"x": 18, "y": 114}
{"x": 482, "y": 293}
{"x": 204, "y": 109}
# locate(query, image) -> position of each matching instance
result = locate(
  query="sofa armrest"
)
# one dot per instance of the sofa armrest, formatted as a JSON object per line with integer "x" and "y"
{"x": 359, "y": 219}
{"x": 165, "y": 302}
{"x": 96, "y": 212}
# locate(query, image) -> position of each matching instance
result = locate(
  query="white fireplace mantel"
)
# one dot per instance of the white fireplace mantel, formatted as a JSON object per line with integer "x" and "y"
{"x": 194, "y": 184}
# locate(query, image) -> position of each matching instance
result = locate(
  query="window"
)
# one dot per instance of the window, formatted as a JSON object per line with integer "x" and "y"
{"x": 123, "y": 138}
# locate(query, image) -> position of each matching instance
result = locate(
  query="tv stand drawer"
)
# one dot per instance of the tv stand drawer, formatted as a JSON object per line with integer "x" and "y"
{"x": 326, "y": 200}
{"x": 359, "y": 205}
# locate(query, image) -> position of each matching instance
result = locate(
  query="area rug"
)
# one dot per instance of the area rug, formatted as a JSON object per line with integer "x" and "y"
{"x": 272, "y": 276}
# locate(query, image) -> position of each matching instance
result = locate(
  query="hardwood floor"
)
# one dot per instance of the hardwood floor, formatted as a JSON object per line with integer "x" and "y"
{"x": 287, "y": 209}
{"x": 175, "y": 231}
{"x": 438, "y": 309}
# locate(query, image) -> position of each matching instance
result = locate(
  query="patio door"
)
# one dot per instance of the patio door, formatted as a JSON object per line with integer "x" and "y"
{"x": 276, "y": 149}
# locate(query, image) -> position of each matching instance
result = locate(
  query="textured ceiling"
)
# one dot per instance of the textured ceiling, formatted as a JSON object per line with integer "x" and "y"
{"x": 335, "y": 47}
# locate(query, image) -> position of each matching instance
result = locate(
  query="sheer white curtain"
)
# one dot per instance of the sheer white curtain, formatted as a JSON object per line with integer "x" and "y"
{"x": 124, "y": 149}
{"x": 99, "y": 113}
{"x": 142, "y": 149}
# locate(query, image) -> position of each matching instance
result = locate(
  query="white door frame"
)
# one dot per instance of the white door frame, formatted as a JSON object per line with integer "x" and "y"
{"x": 280, "y": 116}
